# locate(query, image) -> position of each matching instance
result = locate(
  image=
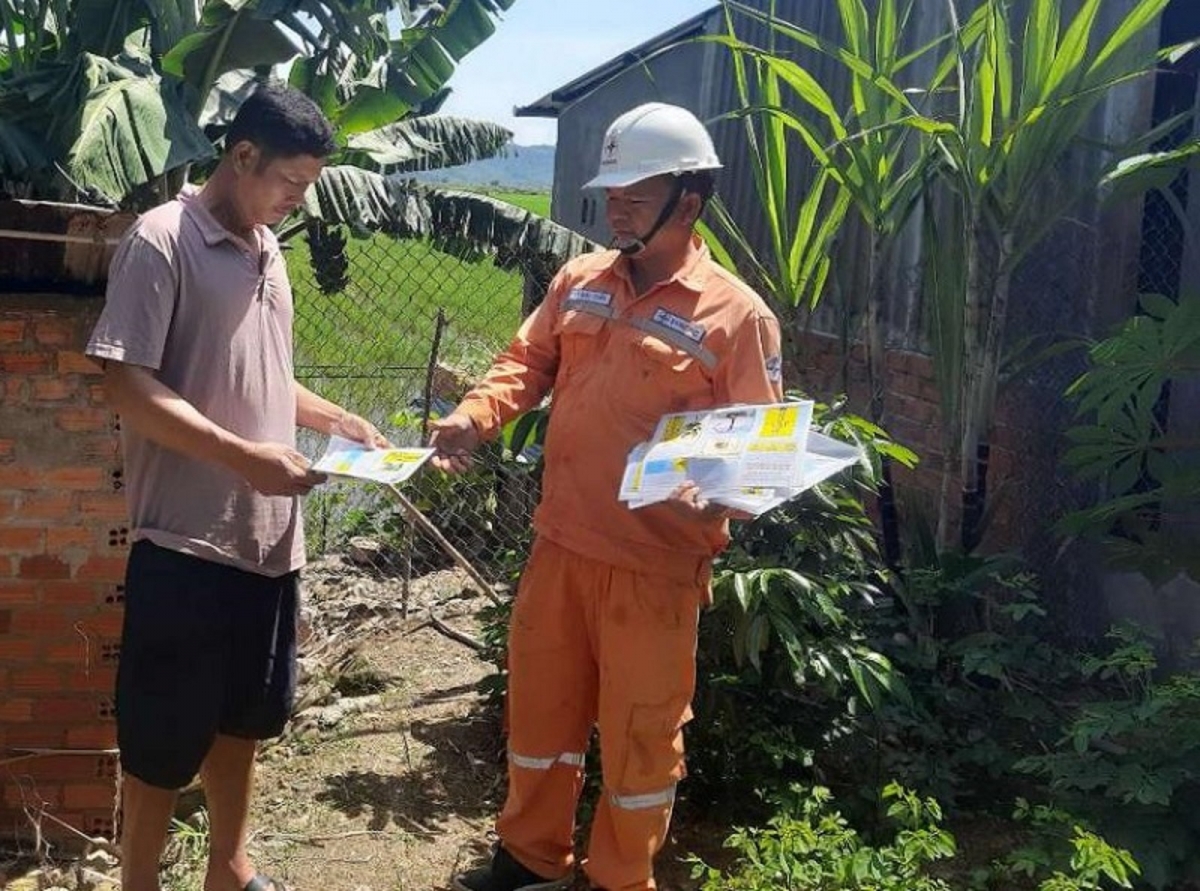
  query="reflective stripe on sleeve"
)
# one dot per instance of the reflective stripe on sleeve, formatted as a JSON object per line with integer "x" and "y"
{"x": 662, "y": 798}
{"x": 575, "y": 759}
{"x": 648, "y": 326}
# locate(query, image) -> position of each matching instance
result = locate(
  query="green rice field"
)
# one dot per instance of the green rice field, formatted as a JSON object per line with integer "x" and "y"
{"x": 536, "y": 202}
{"x": 369, "y": 345}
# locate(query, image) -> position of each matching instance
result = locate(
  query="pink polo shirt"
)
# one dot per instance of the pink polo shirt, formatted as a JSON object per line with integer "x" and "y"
{"x": 212, "y": 316}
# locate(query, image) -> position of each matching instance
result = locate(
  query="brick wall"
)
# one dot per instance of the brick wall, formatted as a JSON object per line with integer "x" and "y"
{"x": 62, "y": 555}
{"x": 914, "y": 412}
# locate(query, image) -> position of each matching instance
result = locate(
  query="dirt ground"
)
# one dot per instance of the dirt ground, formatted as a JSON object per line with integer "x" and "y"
{"x": 395, "y": 782}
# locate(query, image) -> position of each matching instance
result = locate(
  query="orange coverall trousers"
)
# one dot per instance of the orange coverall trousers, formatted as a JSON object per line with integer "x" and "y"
{"x": 593, "y": 644}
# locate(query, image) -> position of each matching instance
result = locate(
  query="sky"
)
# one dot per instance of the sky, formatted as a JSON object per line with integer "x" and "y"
{"x": 542, "y": 44}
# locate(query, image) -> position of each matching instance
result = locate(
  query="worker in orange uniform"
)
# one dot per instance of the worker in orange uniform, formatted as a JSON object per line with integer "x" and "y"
{"x": 603, "y": 629}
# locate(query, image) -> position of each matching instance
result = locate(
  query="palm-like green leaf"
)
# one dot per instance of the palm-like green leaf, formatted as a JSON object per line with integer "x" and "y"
{"x": 367, "y": 201}
{"x": 795, "y": 271}
{"x": 425, "y": 143}
{"x": 1022, "y": 105}
{"x": 1002, "y": 161}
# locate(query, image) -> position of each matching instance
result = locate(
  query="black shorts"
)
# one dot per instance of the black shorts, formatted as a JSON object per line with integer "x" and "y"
{"x": 206, "y": 649}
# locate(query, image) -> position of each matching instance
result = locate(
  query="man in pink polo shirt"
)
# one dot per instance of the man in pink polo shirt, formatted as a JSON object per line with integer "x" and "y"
{"x": 196, "y": 341}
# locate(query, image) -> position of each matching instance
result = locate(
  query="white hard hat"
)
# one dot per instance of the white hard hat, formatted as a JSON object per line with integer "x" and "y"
{"x": 651, "y": 140}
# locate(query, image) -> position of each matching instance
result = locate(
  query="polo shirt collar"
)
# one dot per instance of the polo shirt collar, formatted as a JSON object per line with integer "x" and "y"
{"x": 210, "y": 229}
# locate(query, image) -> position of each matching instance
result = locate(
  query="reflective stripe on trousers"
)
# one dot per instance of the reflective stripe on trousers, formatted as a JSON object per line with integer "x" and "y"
{"x": 575, "y": 759}
{"x": 663, "y": 798}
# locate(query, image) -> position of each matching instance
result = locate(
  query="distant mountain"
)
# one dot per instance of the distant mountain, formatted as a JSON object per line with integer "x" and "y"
{"x": 524, "y": 167}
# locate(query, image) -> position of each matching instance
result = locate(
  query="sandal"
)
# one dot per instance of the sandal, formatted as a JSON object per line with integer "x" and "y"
{"x": 261, "y": 882}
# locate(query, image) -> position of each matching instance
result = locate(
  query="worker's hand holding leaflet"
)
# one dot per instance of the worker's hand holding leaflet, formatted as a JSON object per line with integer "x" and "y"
{"x": 453, "y": 439}
{"x": 748, "y": 458}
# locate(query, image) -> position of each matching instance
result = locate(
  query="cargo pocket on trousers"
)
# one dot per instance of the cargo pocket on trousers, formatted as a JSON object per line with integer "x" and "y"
{"x": 654, "y": 754}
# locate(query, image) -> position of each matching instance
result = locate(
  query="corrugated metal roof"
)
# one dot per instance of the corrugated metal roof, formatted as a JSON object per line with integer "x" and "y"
{"x": 550, "y": 105}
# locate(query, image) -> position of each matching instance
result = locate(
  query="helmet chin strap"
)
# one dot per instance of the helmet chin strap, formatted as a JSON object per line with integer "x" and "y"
{"x": 635, "y": 246}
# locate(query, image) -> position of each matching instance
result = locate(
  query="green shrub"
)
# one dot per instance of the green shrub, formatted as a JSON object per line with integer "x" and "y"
{"x": 807, "y": 847}
{"x": 785, "y": 667}
{"x": 1128, "y": 757}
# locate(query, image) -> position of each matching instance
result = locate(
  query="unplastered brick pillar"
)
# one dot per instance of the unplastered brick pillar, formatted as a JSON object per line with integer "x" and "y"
{"x": 63, "y": 544}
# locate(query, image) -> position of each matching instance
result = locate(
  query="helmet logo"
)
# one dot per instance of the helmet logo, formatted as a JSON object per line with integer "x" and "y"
{"x": 610, "y": 150}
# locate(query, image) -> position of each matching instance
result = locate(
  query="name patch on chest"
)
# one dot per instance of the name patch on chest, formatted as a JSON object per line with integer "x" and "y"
{"x": 583, "y": 297}
{"x": 693, "y": 332}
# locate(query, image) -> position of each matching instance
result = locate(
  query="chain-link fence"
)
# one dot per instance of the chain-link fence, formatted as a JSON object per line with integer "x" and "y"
{"x": 397, "y": 329}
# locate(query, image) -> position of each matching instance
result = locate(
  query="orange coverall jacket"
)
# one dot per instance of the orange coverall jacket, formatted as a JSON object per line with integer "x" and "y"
{"x": 616, "y": 363}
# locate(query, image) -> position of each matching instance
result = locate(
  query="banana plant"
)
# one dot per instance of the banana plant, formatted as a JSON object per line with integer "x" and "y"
{"x": 100, "y": 98}
{"x": 367, "y": 201}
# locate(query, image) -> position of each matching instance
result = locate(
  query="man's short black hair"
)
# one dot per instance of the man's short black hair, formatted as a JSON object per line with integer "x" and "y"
{"x": 283, "y": 123}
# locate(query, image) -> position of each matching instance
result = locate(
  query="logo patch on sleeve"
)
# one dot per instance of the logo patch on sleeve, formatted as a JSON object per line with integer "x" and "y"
{"x": 679, "y": 325}
{"x": 774, "y": 365}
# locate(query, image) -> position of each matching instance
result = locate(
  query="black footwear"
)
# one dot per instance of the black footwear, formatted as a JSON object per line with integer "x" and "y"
{"x": 505, "y": 874}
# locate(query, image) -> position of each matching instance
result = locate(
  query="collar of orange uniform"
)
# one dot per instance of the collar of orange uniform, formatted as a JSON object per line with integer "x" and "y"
{"x": 693, "y": 275}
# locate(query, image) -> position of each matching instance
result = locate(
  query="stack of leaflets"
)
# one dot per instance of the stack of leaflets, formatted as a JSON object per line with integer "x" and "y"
{"x": 347, "y": 458}
{"x": 747, "y": 457}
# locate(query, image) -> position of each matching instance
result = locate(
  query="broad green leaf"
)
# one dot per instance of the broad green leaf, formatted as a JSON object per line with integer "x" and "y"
{"x": 232, "y": 41}
{"x": 131, "y": 131}
{"x": 367, "y": 201}
{"x": 20, "y": 151}
{"x": 101, "y": 26}
{"x": 425, "y": 143}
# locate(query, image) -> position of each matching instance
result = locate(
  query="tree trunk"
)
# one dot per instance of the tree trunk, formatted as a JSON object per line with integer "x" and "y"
{"x": 977, "y": 451}
{"x": 970, "y": 401}
{"x": 876, "y": 345}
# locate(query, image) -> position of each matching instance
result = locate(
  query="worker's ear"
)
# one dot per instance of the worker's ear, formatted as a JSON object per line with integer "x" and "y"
{"x": 690, "y": 208}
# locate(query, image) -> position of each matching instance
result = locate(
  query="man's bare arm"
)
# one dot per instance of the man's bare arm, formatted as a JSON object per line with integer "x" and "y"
{"x": 318, "y": 413}
{"x": 160, "y": 414}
